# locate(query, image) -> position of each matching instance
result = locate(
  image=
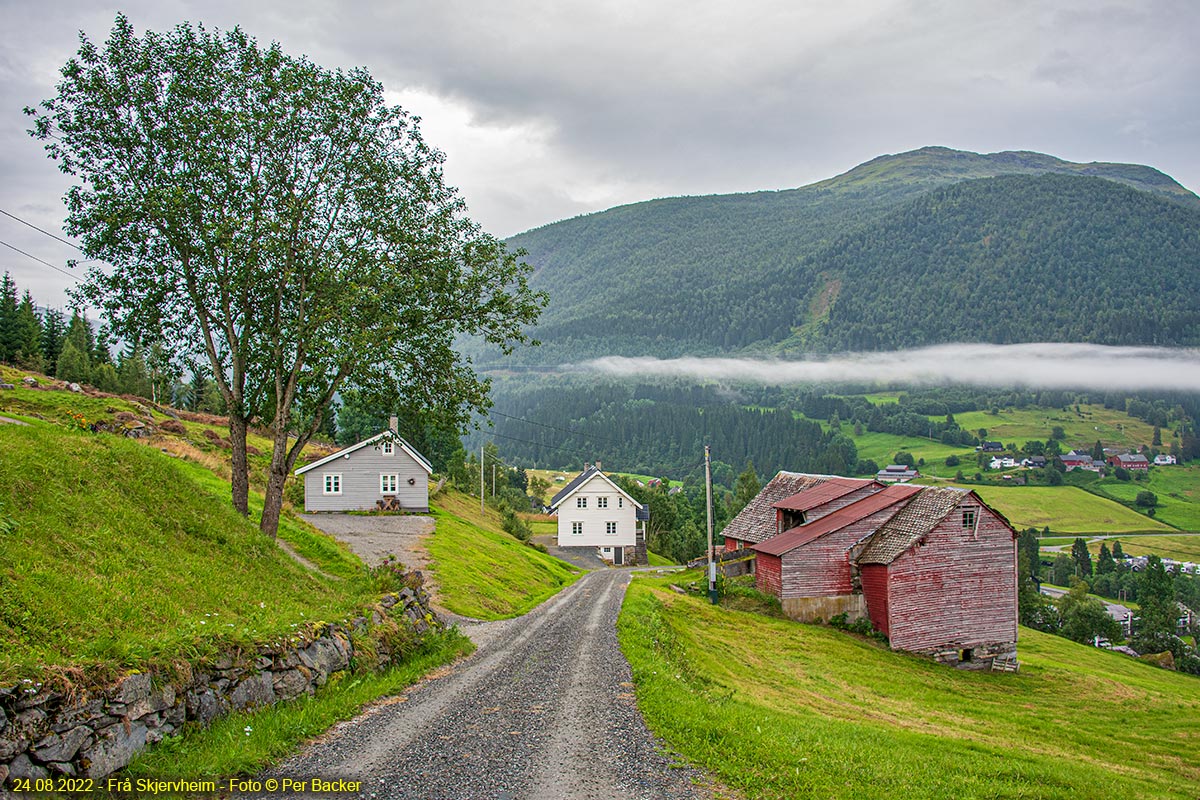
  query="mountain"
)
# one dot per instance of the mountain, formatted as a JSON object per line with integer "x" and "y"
{"x": 768, "y": 272}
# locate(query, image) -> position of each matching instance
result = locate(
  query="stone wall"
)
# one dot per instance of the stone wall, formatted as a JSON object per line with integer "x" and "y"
{"x": 44, "y": 733}
{"x": 810, "y": 609}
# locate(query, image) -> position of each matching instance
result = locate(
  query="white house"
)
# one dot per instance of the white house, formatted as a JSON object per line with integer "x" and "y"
{"x": 1163, "y": 460}
{"x": 381, "y": 472}
{"x": 593, "y": 511}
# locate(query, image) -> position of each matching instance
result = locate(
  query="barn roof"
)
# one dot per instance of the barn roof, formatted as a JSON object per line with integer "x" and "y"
{"x": 922, "y": 514}
{"x": 756, "y": 521}
{"x": 822, "y": 493}
{"x": 871, "y": 504}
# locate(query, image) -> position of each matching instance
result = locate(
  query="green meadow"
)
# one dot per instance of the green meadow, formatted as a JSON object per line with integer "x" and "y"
{"x": 775, "y": 709}
{"x": 1064, "y": 509}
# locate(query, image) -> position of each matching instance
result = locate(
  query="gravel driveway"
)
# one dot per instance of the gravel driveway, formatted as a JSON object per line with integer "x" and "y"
{"x": 544, "y": 710}
{"x": 374, "y": 536}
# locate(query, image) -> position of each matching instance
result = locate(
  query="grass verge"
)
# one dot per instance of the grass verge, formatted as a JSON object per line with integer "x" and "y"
{"x": 775, "y": 709}
{"x": 245, "y": 743}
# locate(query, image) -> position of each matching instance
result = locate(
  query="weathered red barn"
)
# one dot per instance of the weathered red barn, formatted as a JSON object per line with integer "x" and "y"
{"x": 808, "y": 566}
{"x": 940, "y": 578}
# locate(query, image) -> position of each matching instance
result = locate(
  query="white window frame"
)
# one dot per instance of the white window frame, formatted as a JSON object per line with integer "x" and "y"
{"x": 620, "y": 502}
{"x": 332, "y": 483}
{"x": 581, "y": 502}
{"x": 610, "y": 529}
{"x": 387, "y": 480}
{"x": 601, "y": 502}
{"x": 389, "y": 449}
{"x": 577, "y": 528}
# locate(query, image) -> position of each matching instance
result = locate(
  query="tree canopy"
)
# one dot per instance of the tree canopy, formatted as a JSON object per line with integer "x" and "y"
{"x": 280, "y": 221}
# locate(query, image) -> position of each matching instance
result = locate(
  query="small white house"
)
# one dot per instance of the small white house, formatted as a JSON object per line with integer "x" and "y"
{"x": 384, "y": 471}
{"x": 593, "y": 511}
{"x": 1164, "y": 460}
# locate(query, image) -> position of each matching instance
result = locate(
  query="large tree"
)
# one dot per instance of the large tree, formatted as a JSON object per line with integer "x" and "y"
{"x": 281, "y": 221}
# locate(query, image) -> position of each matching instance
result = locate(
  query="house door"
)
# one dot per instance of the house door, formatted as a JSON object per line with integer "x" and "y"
{"x": 618, "y": 556}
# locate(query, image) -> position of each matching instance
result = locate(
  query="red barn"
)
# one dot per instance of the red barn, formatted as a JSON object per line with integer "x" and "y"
{"x": 940, "y": 578}
{"x": 808, "y": 566}
{"x": 778, "y": 506}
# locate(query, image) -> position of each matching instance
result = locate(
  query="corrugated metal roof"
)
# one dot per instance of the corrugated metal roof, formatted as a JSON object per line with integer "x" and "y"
{"x": 391, "y": 434}
{"x": 822, "y": 493}
{"x": 858, "y": 510}
{"x": 756, "y": 521}
{"x": 922, "y": 514}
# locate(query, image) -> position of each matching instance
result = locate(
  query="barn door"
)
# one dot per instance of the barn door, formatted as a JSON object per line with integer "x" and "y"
{"x": 618, "y": 556}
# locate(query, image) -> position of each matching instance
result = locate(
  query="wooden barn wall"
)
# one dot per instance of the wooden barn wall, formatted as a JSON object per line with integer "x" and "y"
{"x": 767, "y": 574}
{"x": 955, "y": 589}
{"x": 875, "y": 589}
{"x": 822, "y": 567}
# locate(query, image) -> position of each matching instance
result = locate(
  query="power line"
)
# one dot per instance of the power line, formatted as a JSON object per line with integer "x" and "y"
{"x": 40, "y": 230}
{"x": 40, "y": 261}
{"x": 554, "y": 428}
{"x": 535, "y": 444}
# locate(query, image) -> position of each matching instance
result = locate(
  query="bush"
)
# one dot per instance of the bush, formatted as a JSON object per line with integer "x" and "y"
{"x": 952, "y": 461}
{"x": 1146, "y": 499}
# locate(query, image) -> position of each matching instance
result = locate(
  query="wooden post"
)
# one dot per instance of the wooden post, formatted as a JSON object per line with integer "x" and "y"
{"x": 712, "y": 568}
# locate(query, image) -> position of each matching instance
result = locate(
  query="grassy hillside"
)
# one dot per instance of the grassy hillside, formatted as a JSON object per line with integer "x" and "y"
{"x": 1179, "y": 548}
{"x": 775, "y": 709}
{"x": 484, "y": 573}
{"x": 764, "y": 270}
{"x": 1065, "y": 509}
{"x": 1177, "y": 489}
{"x": 114, "y": 555}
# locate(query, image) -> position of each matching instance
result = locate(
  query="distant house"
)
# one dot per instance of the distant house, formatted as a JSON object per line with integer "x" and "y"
{"x": 593, "y": 511}
{"x": 1135, "y": 461}
{"x": 382, "y": 471}
{"x": 1007, "y": 462}
{"x": 992, "y": 447}
{"x": 897, "y": 473}
{"x": 1074, "y": 460}
{"x": 1034, "y": 462}
{"x": 1164, "y": 460}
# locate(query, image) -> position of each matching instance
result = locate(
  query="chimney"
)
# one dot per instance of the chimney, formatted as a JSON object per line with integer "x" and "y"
{"x": 598, "y": 467}
{"x": 394, "y": 423}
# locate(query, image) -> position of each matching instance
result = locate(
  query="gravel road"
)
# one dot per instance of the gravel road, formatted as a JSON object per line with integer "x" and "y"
{"x": 544, "y": 710}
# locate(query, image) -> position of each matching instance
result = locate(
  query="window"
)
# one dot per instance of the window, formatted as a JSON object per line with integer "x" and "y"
{"x": 620, "y": 502}
{"x": 388, "y": 483}
{"x": 388, "y": 448}
{"x": 969, "y": 517}
{"x": 581, "y": 502}
{"x": 576, "y": 528}
{"x": 333, "y": 483}
{"x": 601, "y": 502}
{"x": 610, "y": 528}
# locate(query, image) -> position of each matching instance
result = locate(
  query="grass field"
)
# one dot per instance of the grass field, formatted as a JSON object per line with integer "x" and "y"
{"x": 116, "y": 556}
{"x": 483, "y": 572}
{"x": 882, "y": 448}
{"x": 1179, "y": 548}
{"x": 1064, "y": 509}
{"x": 1177, "y": 488}
{"x": 775, "y": 709}
{"x": 1017, "y": 426}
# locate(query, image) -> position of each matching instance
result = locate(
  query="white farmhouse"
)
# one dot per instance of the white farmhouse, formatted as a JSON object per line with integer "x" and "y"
{"x": 383, "y": 471}
{"x": 593, "y": 511}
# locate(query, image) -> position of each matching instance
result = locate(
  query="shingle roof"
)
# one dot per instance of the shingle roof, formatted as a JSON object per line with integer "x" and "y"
{"x": 858, "y": 510}
{"x": 756, "y": 521}
{"x": 583, "y": 478}
{"x": 390, "y": 434}
{"x": 919, "y": 517}
{"x": 822, "y": 493}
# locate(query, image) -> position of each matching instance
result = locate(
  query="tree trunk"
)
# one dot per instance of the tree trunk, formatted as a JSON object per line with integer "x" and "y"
{"x": 276, "y": 477}
{"x": 240, "y": 479}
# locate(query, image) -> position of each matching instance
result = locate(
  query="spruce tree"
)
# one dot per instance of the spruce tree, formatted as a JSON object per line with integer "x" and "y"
{"x": 1105, "y": 563}
{"x": 72, "y": 364}
{"x": 9, "y": 335}
{"x": 54, "y": 331}
{"x": 29, "y": 334}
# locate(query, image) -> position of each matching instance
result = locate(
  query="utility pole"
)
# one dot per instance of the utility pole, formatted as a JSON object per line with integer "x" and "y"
{"x": 481, "y": 479}
{"x": 493, "y": 479}
{"x": 712, "y": 568}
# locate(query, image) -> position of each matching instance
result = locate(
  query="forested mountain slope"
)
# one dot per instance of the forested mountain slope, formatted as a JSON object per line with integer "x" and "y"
{"x": 760, "y": 271}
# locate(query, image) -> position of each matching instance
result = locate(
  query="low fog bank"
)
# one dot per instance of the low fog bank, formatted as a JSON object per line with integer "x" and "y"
{"x": 1046, "y": 366}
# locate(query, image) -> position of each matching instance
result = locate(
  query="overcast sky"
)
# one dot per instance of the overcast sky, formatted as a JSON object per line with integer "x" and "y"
{"x": 551, "y": 109}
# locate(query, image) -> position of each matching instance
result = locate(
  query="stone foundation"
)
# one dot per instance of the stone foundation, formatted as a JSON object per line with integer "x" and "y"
{"x": 974, "y": 657}
{"x": 44, "y": 733}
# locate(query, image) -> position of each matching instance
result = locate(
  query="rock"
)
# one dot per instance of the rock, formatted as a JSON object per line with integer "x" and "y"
{"x": 324, "y": 657}
{"x": 3, "y": 720}
{"x": 175, "y": 716}
{"x": 131, "y": 689}
{"x": 61, "y": 768}
{"x": 256, "y": 691}
{"x": 56, "y": 747}
{"x": 156, "y": 701}
{"x": 30, "y": 382}
{"x": 3, "y": 774}
{"x": 1165, "y": 659}
{"x": 114, "y": 747}
{"x": 10, "y": 746}
{"x": 22, "y": 767}
{"x": 203, "y": 706}
{"x": 70, "y": 717}
{"x": 75, "y": 387}
{"x": 7, "y": 386}
{"x": 289, "y": 684}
